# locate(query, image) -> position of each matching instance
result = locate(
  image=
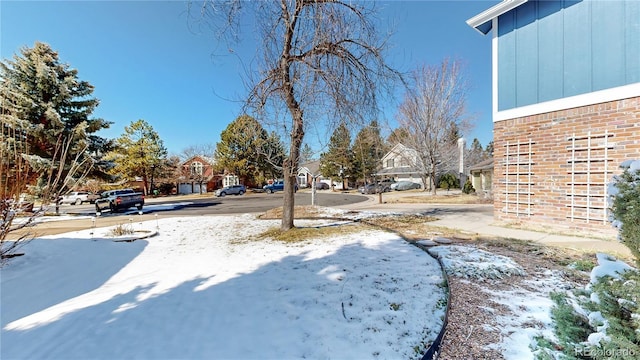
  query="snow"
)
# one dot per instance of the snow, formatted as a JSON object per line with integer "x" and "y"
{"x": 529, "y": 305}
{"x": 206, "y": 288}
{"x": 529, "y": 316}
{"x": 608, "y": 266}
{"x": 469, "y": 262}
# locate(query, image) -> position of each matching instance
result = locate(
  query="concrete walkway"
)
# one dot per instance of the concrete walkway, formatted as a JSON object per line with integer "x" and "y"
{"x": 478, "y": 220}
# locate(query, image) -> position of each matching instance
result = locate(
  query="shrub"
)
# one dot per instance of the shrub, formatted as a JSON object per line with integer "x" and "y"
{"x": 448, "y": 181}
{"x": 626, "y": 207}
{"x": 468, "y": 187}
{"x": 612, "y": 302}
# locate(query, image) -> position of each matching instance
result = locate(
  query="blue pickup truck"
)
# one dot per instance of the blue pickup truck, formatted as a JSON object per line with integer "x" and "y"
{"x": 276, "y": 186}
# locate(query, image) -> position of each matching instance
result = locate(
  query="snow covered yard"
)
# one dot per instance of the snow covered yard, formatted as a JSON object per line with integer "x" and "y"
{"x": 205, "y": 288}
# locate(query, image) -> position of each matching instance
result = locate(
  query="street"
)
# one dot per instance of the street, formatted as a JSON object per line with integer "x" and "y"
{"x": 207, "y": 204}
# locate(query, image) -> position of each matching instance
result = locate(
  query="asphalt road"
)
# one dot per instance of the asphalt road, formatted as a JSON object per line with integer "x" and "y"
{"x": 211, "y": 205}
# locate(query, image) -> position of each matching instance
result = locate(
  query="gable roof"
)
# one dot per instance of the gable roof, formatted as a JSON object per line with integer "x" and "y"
{"x": 313, "y": 167}
{"x": 206, "y": 159}
{"x": 399, "y": 149}
{"x": 482, "y": 165}
{"x": 482, "y": 21}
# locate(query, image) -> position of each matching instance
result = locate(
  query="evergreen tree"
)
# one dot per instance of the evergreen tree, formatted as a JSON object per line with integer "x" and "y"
{"x": 368, "y": 149}
{"x": 475, "y": 153}
{"x": 139, "y": 152}
{"x": 272, "y": 155}
{"x": 398, "y": 136}
{"x": 249, "y": 152}
{"x": 306, "y": 154}
{"x": 489, "y": 149}
{"x": 336, "y": 163}
{"x": 43, "y": 100}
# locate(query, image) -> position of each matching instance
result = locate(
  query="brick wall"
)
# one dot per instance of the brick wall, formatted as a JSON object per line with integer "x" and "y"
{"x": 550, "y": 169}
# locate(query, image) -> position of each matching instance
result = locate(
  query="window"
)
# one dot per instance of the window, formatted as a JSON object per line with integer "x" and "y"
{"x": 390, "y": 163}
{"x": 196, "y": 168}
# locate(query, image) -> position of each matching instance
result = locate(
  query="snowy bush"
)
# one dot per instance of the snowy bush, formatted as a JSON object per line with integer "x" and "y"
{"x": 625, "y": 206}
{"x": 601, "y": 321}
{"x": 469, "y": 262}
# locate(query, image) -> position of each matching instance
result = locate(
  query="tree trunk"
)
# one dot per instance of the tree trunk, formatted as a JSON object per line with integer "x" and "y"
{"x": 433, "y": 179}
{"x": 145, "y": 185}
{"x": 290, "y": 169}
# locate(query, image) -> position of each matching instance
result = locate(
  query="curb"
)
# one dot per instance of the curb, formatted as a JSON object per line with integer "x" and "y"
{"x": 434, "y": 350}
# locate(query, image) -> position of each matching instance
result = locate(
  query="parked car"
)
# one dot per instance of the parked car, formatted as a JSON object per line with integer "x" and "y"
{"x": 231, "y": 190}
{"x": 322, "y": 185}
{"x": 122, "y": 199}
{"x": 276, "y": 186}
{"x": 79, "y": 197}
{"x": 374, "y": 188}
{"x": 405, "y": 185}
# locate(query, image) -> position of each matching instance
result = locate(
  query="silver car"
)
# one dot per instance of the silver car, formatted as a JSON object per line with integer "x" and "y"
{"x": 405, "y": 185}
{"x": 231, "y": 190}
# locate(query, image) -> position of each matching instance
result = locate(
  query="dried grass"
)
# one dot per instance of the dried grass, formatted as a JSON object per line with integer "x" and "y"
{"x": 426, "y": 198}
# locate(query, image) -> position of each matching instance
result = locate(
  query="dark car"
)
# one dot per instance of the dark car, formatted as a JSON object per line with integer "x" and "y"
{"x": 374, "y": 188}
{"x": 322, "y": 185}
{"x": 277, "y": 186}
{"x": 231, "y": 190}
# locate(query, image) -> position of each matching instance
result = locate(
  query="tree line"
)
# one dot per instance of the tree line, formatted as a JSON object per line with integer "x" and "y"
{"x": 322, "y": 64}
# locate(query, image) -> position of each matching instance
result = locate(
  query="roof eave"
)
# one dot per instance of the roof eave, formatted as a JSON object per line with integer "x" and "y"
{"x": 486, "y": 16}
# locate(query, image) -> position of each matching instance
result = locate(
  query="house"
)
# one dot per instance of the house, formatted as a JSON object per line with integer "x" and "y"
{"x": 481, "y": 177}
{"x": 566, "y": 107}
{"x": 397, "y": 164}
{"x": 311, "y": 169}
{"x": 306, "y": 173}
{"x": 197, "y": 176}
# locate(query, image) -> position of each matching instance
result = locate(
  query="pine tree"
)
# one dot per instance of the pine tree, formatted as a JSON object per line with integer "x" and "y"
{"x": 139, "y": 151}
{"x": 475, "y": 153}
{"x": 249, "y": 152}
{"x": 489, "y": 149}
{"x": 336, "y": 163}
{"x": 44, "y": 100}
{"x": 398, "y": 136}
{"x": 368, "y": 149}
{"x": 306, "y": 154}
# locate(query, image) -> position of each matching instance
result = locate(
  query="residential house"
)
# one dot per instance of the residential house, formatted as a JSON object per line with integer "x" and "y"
{"x": 566, "y": 107}
{"x": 197, "y": 176}
{"x": 397, "y": 164}
{"x": 306, "y": 173}
{"x": 481, "y": 177}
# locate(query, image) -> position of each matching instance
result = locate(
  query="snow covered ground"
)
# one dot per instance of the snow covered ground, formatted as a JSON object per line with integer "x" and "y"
{"x": 204, "y": 289}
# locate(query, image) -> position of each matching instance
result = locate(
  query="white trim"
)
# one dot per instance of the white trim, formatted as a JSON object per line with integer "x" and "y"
{"x": 597, "y": 97}
{"x": 493, "y": 13}
{"x": 494, "y": 69}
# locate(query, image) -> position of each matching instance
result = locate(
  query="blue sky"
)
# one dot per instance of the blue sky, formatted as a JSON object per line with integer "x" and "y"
{"x": 148, "y": 61}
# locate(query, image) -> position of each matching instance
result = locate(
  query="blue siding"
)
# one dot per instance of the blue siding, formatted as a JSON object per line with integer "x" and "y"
{"x": 632, "y": 36}
{"x": 507, "y": 78}
{"x": 577, "y": 44}
{"x": 526, "y": 55}
{"x": 607, "y": 34}
{"x": 550, "y": 50}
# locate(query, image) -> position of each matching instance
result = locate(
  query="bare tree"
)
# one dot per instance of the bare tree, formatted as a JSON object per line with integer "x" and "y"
{"x": 19, "y": 170}
{"x": 208, "y": 150}
{"x": 321, "y": 60}
{"x": 433, "y": 114}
